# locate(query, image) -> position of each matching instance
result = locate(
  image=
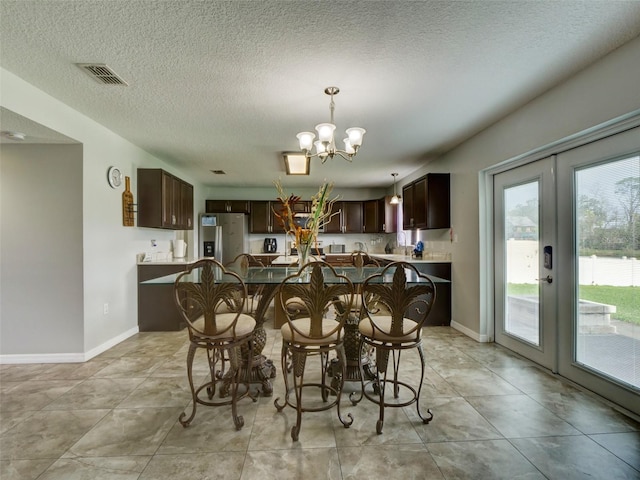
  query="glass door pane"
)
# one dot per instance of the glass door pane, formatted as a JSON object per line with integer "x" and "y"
{"x": 598, "y": 257}
{"x": 607, "y": 336}
{"x": 522, "y": 312}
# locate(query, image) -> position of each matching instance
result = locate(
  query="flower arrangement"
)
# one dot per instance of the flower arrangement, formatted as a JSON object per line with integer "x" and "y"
{"x": 321, "y": 213}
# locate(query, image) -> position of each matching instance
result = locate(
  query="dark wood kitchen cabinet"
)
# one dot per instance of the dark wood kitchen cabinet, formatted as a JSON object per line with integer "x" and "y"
{"x": 426, "y": 203}
{"x": 263, "y": 218}
{"x": 380, "y": 216}
{"x": 187, "y": 205}
{"x": 164, "y": 200}
{"x": 227, "y": 206}
{"x": 348, "y": 219}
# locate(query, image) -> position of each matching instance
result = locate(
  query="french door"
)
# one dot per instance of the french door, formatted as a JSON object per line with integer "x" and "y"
{"x": 524, "y": 283}
{"x": 567, "y": 264}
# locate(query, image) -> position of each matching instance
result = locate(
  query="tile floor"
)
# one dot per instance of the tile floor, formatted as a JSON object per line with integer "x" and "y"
{"x": 496, "y": 416}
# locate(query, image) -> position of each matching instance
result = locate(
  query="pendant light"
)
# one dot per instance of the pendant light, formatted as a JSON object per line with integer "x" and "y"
{"x": 395, "y": 200}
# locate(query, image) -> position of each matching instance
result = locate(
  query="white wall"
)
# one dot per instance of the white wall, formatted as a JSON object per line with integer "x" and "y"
{"x": 41, "y": 254}
{"x": 108, "y": 250}
{"x": 602, "y": 92}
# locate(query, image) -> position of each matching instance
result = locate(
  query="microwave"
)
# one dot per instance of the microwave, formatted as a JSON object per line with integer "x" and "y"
{"x": 302, "y": 219}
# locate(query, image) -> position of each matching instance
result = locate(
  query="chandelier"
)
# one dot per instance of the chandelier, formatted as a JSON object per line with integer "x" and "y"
{"x": 325, "y": 145}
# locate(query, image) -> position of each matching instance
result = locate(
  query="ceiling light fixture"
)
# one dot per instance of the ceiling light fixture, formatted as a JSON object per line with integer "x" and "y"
{"x": 325, "y": 145}
{"x": 396, "y": 198}
{"x": 14, "y": 135}
{"x": 296, "y": 163}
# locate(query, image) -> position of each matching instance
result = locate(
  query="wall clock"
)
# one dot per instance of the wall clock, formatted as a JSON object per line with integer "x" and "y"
{"x": 114, "y": 176}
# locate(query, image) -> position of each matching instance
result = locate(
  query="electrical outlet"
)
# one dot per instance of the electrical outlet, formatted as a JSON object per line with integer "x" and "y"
{"x": 105, "y": 309}
{"x": 154, "y": 243}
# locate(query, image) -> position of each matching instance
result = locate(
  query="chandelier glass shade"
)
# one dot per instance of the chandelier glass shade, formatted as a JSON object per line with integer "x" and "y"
{"x": 325, "y": 146}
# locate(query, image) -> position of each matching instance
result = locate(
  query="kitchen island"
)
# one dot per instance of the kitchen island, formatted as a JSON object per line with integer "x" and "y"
{"x": 157, "y": 312}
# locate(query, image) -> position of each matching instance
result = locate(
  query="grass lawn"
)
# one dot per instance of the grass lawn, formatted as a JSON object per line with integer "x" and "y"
{"x": 626, "y": 299}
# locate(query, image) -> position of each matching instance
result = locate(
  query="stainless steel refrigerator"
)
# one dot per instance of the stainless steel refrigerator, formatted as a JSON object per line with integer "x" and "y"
{"x": 223, "y": 236}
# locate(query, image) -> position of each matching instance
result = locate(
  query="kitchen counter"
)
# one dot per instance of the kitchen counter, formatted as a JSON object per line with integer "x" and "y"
{"x": 389, "y": 257}
{"x": 281, "y": 259}
{"x": 427, "y": 258}
{"x": 189, "y": 260}
{"x": 174, "y": 261}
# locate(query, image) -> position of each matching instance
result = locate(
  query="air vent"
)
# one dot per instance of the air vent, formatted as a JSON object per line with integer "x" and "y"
{"x": 219, "y": 172}
{"x": 102, "y": 73}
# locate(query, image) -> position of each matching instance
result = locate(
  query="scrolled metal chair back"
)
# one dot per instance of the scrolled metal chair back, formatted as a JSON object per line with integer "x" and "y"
{"x": 240, "y": 265}
{"x": 399, "y": 298}
{"x": 305, "y": 293}
{"x": 199, "y": 292}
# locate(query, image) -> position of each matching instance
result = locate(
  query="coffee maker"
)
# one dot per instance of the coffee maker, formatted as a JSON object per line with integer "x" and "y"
{"x": 270, "y": 245}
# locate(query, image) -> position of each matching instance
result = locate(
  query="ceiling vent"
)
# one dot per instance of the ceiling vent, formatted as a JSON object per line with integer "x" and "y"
{"x": 102, "y": 73}
{"x": 219, "y": 172}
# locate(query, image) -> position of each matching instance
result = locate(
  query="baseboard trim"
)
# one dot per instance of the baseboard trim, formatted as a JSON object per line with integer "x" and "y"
{"x": 110, "y": 343}
{"x": 42, "y": 358}
{"x": 469, "y": 333}
{"x": 12, "y": 359}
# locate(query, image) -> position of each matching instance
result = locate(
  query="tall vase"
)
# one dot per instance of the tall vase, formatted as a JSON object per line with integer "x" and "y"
{"x": 304, "y": 254}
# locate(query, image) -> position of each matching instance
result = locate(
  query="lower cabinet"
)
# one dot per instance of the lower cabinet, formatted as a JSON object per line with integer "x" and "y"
{"x": 441, "y": 311}
{"x": 157, "y": 311}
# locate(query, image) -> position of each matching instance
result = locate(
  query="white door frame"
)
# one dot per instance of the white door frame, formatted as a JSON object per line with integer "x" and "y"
{"x": 485, "y": 205}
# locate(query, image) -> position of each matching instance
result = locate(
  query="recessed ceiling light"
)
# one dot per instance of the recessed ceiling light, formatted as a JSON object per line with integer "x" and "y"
{"x": 296, "y": 163}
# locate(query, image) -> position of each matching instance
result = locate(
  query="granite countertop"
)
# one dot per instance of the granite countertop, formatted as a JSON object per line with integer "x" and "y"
{"x": 173, "y": 261}
{"x": 441, "y": 258}
{"x": 427, "y": 258}
{"x": 282, "y": 259}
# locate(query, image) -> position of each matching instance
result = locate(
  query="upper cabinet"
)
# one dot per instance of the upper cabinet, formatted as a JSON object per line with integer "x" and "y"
{"x": 164, "y": 200}
{"x": 426, "y": 203}
{"x": 263, "y": 218}
{"x": 380, "y": 216}
{"x": 347, "y": 220}
{"x": 227, "y": 206}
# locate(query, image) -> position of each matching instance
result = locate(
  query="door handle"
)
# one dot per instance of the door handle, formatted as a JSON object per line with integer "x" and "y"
{"x": 547, "y": 279}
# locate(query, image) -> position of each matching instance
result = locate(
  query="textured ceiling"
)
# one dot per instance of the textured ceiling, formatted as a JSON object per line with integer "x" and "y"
{"x": 227, "y": 84}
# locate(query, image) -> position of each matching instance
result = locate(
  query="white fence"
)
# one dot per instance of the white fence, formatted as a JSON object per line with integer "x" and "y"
{"x": 620, "y": 272}
{"x": 522, "y": 267}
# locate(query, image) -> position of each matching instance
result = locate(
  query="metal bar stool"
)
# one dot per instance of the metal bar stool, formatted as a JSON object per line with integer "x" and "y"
{"x": 199, "y": 293}
{"x": 390, "y": 326}
{"x": 315, "y": 315}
